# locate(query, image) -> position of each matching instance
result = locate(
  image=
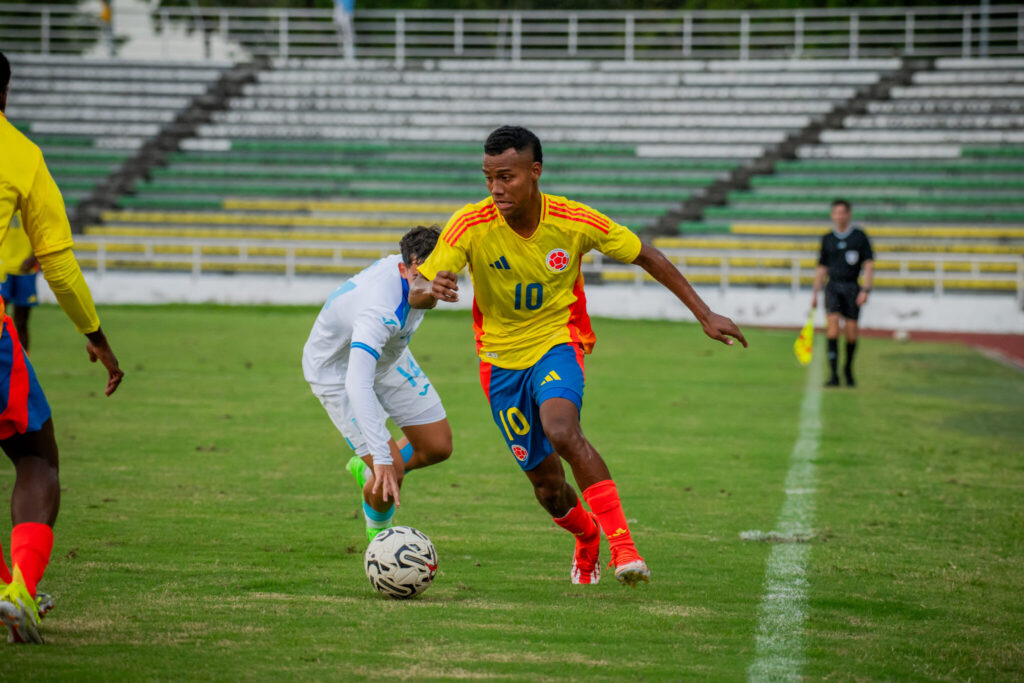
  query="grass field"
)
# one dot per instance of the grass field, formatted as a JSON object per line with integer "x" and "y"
{"x": 209, "y": 531}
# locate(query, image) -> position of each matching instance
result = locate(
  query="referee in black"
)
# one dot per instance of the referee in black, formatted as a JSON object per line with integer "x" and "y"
{"x": 844, "y": 253}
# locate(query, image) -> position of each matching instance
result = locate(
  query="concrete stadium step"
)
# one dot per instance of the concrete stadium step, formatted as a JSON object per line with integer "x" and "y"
{"x": 180, "y": 174}
{"x": 876, "y": 202}
{"x": 812, "y": 245}
{"x": 870, "y": 214}
{"x": 227, "y": 232}
{"x": 759, "y": 280}
{"x": 923, "y": 231}
{"x": 250, "y": 219}
{"x": 965, "y": 166}
{"x": 1002, "y": 181}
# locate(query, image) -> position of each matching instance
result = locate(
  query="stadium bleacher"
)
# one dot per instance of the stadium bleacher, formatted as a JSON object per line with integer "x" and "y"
{"x": 330, "y": 162}
{"x": 322, "y": 149}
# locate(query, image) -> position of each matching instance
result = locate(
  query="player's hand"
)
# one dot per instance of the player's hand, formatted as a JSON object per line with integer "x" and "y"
{"x": 28, "y": 264}
{"x": 720, "y": 328}
{"x": 862, "y": 298}
{"x": 445, "y": 286}
{"x": 99, "y": 350}
{"x": 385, "y": 480}
{"x": 814, "y": 302}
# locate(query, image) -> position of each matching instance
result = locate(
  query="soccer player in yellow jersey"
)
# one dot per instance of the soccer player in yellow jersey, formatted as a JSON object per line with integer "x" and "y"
{"x": 523, "y": 249}
{"x": 19, "y": 267}
{"x": 26, "y": 429}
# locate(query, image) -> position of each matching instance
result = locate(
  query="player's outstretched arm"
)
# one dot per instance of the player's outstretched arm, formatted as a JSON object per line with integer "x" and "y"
{"x": 99, "y": 349}
{"x": 716, "y": 326}
{"x": 426, "y": 293}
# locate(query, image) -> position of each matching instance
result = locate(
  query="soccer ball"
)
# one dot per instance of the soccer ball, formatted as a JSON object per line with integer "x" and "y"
{"x": 401, "y": 562}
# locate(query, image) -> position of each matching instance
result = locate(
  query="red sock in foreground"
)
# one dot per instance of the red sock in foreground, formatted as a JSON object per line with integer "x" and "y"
{"x": 5, "y": 573}
{"x": 586, "y": 567}
{"x": 31, "y": 545}
{"x": 603, "y": 499}
{"x": 579, "y": 523}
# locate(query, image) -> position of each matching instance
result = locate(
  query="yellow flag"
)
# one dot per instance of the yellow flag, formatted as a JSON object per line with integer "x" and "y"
{"x": 804, "y": 344}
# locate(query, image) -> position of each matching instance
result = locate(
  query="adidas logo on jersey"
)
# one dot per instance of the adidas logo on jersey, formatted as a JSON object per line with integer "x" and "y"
{"x": 501, "y": 264}
{"x": 550, "y": 377}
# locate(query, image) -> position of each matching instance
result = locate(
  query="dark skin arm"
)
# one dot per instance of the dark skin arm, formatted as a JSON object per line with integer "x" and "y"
{"x": 426, "y": 293}
{"x": 99, "y": 350}
{"x": 716, "y": 326}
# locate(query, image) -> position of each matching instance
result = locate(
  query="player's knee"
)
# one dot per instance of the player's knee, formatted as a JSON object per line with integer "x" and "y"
{"x": 565, "y": 436}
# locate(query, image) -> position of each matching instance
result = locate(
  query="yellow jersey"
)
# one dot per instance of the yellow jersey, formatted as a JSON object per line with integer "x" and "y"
{"x": 528, "y": 292}
{"x": 15, "y": 249}
{"x": 27, "y": 186}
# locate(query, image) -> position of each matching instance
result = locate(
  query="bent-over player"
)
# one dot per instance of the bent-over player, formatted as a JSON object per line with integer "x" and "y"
{"x": 844, "y": 253}
{"x": 26, "y": 428}
{"x": 358, "y": 363}
{"x": 523, "y": 249}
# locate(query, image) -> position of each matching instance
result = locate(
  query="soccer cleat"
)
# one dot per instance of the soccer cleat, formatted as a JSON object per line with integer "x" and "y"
{"x": 371, "y": 532}
{"x": 359, "y": 470}
{"x": 19, "y": 612}
{"x": 849, "y": 379}
{"x": 44, "y": 603}
{"x": 633, "y": 571}
{"x": 586, "y": 566}
{"x": 833, "y": 381}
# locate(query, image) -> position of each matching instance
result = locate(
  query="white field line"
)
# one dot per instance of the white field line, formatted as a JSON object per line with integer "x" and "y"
{"x": 780, "y": 633}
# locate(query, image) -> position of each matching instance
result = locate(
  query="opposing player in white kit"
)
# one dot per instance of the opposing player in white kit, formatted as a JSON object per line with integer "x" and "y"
{"x": 357, "y": 362}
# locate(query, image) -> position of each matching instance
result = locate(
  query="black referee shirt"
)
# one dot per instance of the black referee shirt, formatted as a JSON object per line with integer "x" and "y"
{"x": 844, "y": 254}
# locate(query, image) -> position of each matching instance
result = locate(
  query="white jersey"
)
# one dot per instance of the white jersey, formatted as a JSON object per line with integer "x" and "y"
{"x": 369, "y": 312}
{"x": 357, "y": 360}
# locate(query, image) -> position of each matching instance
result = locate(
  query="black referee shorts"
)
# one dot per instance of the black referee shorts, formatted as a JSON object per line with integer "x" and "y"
{"x": 841, "y": 298}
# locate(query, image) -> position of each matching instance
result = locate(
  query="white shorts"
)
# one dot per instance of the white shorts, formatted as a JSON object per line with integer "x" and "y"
{"x": 404, "y": 393}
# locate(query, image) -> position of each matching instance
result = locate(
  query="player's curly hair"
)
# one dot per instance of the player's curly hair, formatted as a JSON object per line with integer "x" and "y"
{"x": 417, "y": 244}
{"x": 516, "y": 137}
{"x": 5, "y": 72}
{"x": 842, "y": 202}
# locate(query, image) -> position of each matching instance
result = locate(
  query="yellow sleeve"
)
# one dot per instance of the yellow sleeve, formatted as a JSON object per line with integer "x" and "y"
{"x": 616, "y": 241}
{"x": 451, "y": 250}
{"x": 68, "y": 284}
{"x": 43, "y": 216}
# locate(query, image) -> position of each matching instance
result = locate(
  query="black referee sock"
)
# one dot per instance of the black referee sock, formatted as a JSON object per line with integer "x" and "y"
{"x": 833, "y": 356}
{"x": 851, "y": 346}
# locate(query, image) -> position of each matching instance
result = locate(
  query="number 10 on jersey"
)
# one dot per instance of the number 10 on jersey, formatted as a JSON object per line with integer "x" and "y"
{"x": 534, "y": 296}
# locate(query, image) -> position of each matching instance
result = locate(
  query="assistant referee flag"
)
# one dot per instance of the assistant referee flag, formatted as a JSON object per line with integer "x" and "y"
{"x": 804, "y": 344}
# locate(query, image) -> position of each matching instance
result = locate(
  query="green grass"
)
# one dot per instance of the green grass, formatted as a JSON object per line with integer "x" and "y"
{"x": 209, "y": 530}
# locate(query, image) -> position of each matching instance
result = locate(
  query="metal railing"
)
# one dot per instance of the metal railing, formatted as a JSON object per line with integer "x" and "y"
{"x": 725, "y": 268}
{"x": 415, "y": 35}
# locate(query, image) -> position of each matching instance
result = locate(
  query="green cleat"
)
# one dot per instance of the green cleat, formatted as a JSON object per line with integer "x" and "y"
{"x": 359, "y": 470}
{"x": 371, "y": 533}
{"x": 19, "y": 612}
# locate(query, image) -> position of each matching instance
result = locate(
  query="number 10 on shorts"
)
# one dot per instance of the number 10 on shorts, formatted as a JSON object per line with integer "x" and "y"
{"x": 514, "y": 418}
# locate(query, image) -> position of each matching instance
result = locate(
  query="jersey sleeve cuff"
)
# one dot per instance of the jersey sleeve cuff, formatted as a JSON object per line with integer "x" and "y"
{"x": 366, "y": 347}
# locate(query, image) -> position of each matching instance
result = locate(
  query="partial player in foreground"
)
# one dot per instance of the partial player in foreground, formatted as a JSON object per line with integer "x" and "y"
{"x": 26, "y": 429}
{"x": 524, "y": 249}
{"x": 20, "y": 267}
{"x": 358, "y": 363}
{"x": 844, "y": 253}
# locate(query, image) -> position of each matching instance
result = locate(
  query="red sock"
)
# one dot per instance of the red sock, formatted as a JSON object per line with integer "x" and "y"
{"x": 579, "y": 523}
{"x": 31, "y": 545}
{"x": 603, "y": 499}
{"x": 5, "y": 573}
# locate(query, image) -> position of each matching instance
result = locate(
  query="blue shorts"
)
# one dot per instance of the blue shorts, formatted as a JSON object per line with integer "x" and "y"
{"x": 24, "y": 407}
{"x": 516, "y": 395}
{"x": 20, "y": 290}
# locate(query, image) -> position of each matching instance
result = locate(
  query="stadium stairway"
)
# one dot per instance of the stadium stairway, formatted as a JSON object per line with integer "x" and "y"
{"x": 91, "y": 116}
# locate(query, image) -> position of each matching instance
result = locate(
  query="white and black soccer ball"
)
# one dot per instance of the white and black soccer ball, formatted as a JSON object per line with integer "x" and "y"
{"x": 401, "y": 562}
